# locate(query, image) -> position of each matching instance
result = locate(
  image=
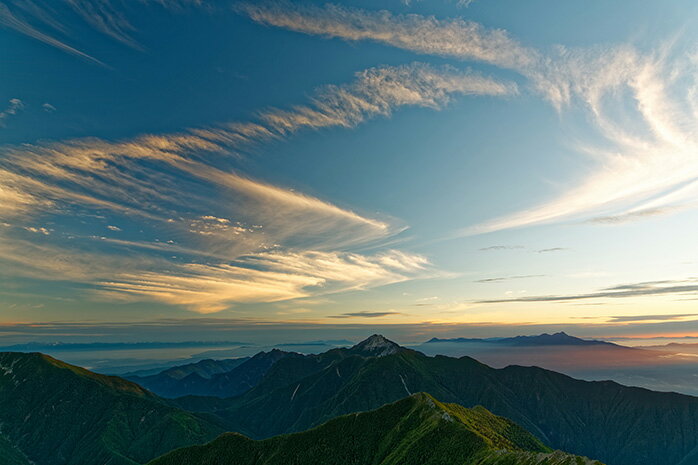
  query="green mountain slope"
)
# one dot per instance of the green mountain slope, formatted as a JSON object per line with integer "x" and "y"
{"x": 10, "y": 455}
{"x": 58, "y": 414}
{"x": 417, "y": 430}
{"x": 613, "y": 423}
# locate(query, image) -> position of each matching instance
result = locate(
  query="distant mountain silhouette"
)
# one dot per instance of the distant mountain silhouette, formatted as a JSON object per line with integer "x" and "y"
{"x": 561, "y": 339}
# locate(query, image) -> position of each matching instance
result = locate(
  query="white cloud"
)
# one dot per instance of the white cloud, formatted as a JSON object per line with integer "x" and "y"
{"x": 265, "y": 277}
{"x": 94, "y": 173}
{"x": 465, "y": 40}
{"x": 14, "y": 107}
{"x": 223, "y": 237}
{"x": 646, "y": 164}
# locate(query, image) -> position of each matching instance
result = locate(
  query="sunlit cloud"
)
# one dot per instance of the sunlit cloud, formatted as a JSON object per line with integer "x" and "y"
{"x": 646, "y": 164}
{"x": 465, "y": 40}
{"x": 14, "y": 107}
{"x": 264, "y": 277}
{"x": 120, "y": 176}
{"x": 222, "y": 237}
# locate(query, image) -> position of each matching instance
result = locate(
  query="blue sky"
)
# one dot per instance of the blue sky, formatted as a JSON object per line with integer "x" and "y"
{"x": 490, "y": 168}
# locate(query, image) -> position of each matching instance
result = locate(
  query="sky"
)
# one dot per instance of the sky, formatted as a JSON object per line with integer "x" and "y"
{"x": 202, "y": 169}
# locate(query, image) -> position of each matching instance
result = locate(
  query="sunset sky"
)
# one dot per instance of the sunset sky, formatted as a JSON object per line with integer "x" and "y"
{"x": 192, "y": 169}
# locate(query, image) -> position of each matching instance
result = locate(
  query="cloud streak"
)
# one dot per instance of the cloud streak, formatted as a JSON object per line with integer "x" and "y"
{"x": 654, "y": 288}
{"x": 11, "y": 21}
{"x": 226, "y": 238}
{"x": 366, "y": 314}
{"x": 14, "y": 107}
{"x": 645, "y": 318}
{"x": 46, "y": 21}
{"x": 508, "y": 278}
{"x": 645, "y": 164}
{"x": 457, "y": 38}
{"x": 275, "y": 277}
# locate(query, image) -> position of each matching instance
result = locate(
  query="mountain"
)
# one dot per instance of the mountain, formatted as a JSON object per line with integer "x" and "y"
{"x": 186, "y": 379}
{"x": 375, "y": 346}
{"x": 605, "y": 420}
{"x": 223, "y": 378}
{"x": 53, "y": 413}
{"x": 545, "y": 339}
{"x": 580, "y": 358}
{"x": 414, "y": 431}
{"x": 204, "y": 368}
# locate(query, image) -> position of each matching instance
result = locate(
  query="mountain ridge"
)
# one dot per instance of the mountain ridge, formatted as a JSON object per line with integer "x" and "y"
{"x": 412, "y": 431}
{"x": 581, "y": 417}
{"x": 54, "y": 413}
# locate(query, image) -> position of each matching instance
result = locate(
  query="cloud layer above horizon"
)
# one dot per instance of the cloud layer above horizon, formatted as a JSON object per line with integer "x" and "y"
{"x": 210, "y": 216}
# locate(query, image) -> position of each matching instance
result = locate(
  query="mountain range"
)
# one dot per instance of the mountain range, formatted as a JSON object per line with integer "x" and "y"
{"x": 417, "y": 430}
{"x": 53, "y": 413}
{"x": 545, "y": 339}
{"x": 220, "y": 378}
{"x": 616, "y": 424}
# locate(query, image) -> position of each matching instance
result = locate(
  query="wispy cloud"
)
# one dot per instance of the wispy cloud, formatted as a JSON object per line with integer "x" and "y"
{"x": 47, "y": 21}
{"x": 108, "y": 19}
{"x": 552, "y": 249}
{"x": 644, "y": 164}
{"x": 14, "y": 107}
{"x": 645, "y": 318}
{"x": 508, "y": 278}
{"x": 112, "y": 175}
{"x": 631, "y": 216}
{"x": 225, "y": 237}
{"x": 501, "y": 247}
{"x": 465, "y": 40}
{"x": 654, "y": 288}
{"x": 11, "y": 21}
{"x": 366, "y": 314}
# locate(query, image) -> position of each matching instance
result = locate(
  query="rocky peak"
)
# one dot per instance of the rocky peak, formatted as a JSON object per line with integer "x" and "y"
{"x": 376, "y": 346}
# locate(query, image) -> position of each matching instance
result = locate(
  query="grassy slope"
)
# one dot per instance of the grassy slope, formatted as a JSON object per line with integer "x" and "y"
{"x": 56, "y": 413}
{"x": 616, "y": 424}
{"x": 417, "y": 430}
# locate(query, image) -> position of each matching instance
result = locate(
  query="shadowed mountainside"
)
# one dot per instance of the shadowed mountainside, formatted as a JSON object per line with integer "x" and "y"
{"x": 222, "y": 378}
{"x": 53, "y": 413}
